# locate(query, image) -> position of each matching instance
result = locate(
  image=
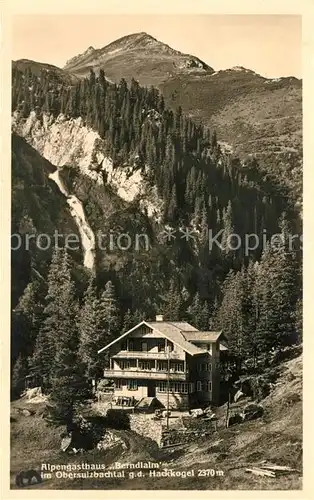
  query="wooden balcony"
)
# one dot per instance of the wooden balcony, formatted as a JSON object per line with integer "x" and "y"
{"x": 149, "y": 355}
{"x": 146, "y": 374}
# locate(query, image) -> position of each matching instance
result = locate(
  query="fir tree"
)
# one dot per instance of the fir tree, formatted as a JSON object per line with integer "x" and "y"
{"x": 31, "y": 307}
{"x": 128, "y": 321}
{"x": 69, "y": 385}
{"x": 89, "y": 331}
{"x": 20, "y": 370}
{"x": 172, "y": 308}
{"x": 108, "y": 313}
{"x": 45, "y": 347}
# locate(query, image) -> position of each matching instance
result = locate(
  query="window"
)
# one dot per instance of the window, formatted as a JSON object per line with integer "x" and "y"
{"x": 180, "y": 387}
{"x": 204, "y": 367}
{"x": 162, "y": 386}
{"x": 118, "y": 385}
{"x": 161, "y": 346}
{"x": 124, "y": 345}
{"x": 192, "y": 387}
{"x": 199, "y": 385}
{"x": 125, "y": 365}
{"x": 132, "y": 385}
{"x": 184, "y": 388}
{"x": 177, "y": 367}
{"x": 145, "y": 365}
{"x": 144, "y": 346}
{"x": 131, "y": 345}
{"x": 207, "y": 386}
{"x": 162, "y": 366}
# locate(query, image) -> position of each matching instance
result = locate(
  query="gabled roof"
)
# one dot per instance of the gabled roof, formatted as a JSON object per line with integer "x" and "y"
{"x": 183, "y": 326}
{"x": 180, "y": 333}
{"x": 174, "y": 334}
{"x": 171, "y": 331}
{"x": 197, "y": 336}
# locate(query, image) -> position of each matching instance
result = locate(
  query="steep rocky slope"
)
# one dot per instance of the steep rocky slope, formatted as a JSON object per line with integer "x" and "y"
{"x": 38, "y": 207}
{"x": 98, "y": 202}
{"x": 69, "y": 142}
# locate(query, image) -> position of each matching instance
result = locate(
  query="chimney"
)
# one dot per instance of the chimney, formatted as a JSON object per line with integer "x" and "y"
{"x": 159, "y": 317}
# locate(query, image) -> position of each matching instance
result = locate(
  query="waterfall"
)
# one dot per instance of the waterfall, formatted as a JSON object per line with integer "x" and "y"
{"x": 78, "y": 214}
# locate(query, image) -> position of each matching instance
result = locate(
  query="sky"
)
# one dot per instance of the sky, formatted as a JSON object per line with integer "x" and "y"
{"x": 267, "y": 44}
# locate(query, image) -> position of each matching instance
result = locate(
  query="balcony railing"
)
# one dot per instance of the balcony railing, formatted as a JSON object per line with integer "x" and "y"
{"x": 148, "y": 355}
{"x": 146, "y": 374}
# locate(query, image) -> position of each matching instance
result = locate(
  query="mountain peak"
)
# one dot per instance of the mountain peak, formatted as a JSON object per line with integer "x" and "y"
{"x": 90, "y": 50}
{"x": 144, "y": 51}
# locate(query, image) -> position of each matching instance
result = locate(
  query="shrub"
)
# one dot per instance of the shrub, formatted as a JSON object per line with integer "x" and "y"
{"x": 118, "y": 419}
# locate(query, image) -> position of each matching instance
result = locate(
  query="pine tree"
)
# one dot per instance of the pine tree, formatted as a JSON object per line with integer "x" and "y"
{"x": 172, "y": 308}
{"x": 45, "y": 347}
{"x": 20, "y": 370}
{"x": 199, "y": 313}
{"x": 108, "y": 313}
{"x": 69, "y": 385}
{"x": 31, "y": 307}
{"x": 128, "y": 321}
{"x": 229, "y": 316}
{"x": 277, "y": 291}
{"x": 88, "y": 331}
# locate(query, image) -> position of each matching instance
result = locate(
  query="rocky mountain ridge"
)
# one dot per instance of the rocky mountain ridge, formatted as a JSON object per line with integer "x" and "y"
{"x": 253, "y": 116}
{"x": 135, "y": 46}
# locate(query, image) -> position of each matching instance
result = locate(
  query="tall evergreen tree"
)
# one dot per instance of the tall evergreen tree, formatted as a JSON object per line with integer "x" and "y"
{"x": 31, "y": 307}
{"x": 45, "y": 347}
{"x": 89, "y": 331}
{"x": 69, "y": 385}
{"x": 172, "y": 308}
{"x": 19, "y": 372}
{"x": 108, "y": 313}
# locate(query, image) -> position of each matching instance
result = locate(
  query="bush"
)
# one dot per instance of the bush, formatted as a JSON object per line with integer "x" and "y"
{"x": 118, "y": 419}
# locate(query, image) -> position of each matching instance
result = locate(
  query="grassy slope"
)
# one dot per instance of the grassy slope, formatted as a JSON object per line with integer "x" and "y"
{"x": 253, "y": 115}
{"x": 277, "y": 437}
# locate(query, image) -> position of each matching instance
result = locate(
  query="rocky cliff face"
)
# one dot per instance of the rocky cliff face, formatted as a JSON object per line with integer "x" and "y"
{"x": 70, "y": 142}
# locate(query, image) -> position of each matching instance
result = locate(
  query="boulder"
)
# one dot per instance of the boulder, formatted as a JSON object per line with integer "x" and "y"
{"x": 237, "y": 418}
{"x": 197, "y": 412}
{"x": 34, "y": 392}
{"x": 238, "y": 395}
{"x": 66, "y": 442}
{"x": 27, "y": 413}
{"x": 253, "y": 411}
